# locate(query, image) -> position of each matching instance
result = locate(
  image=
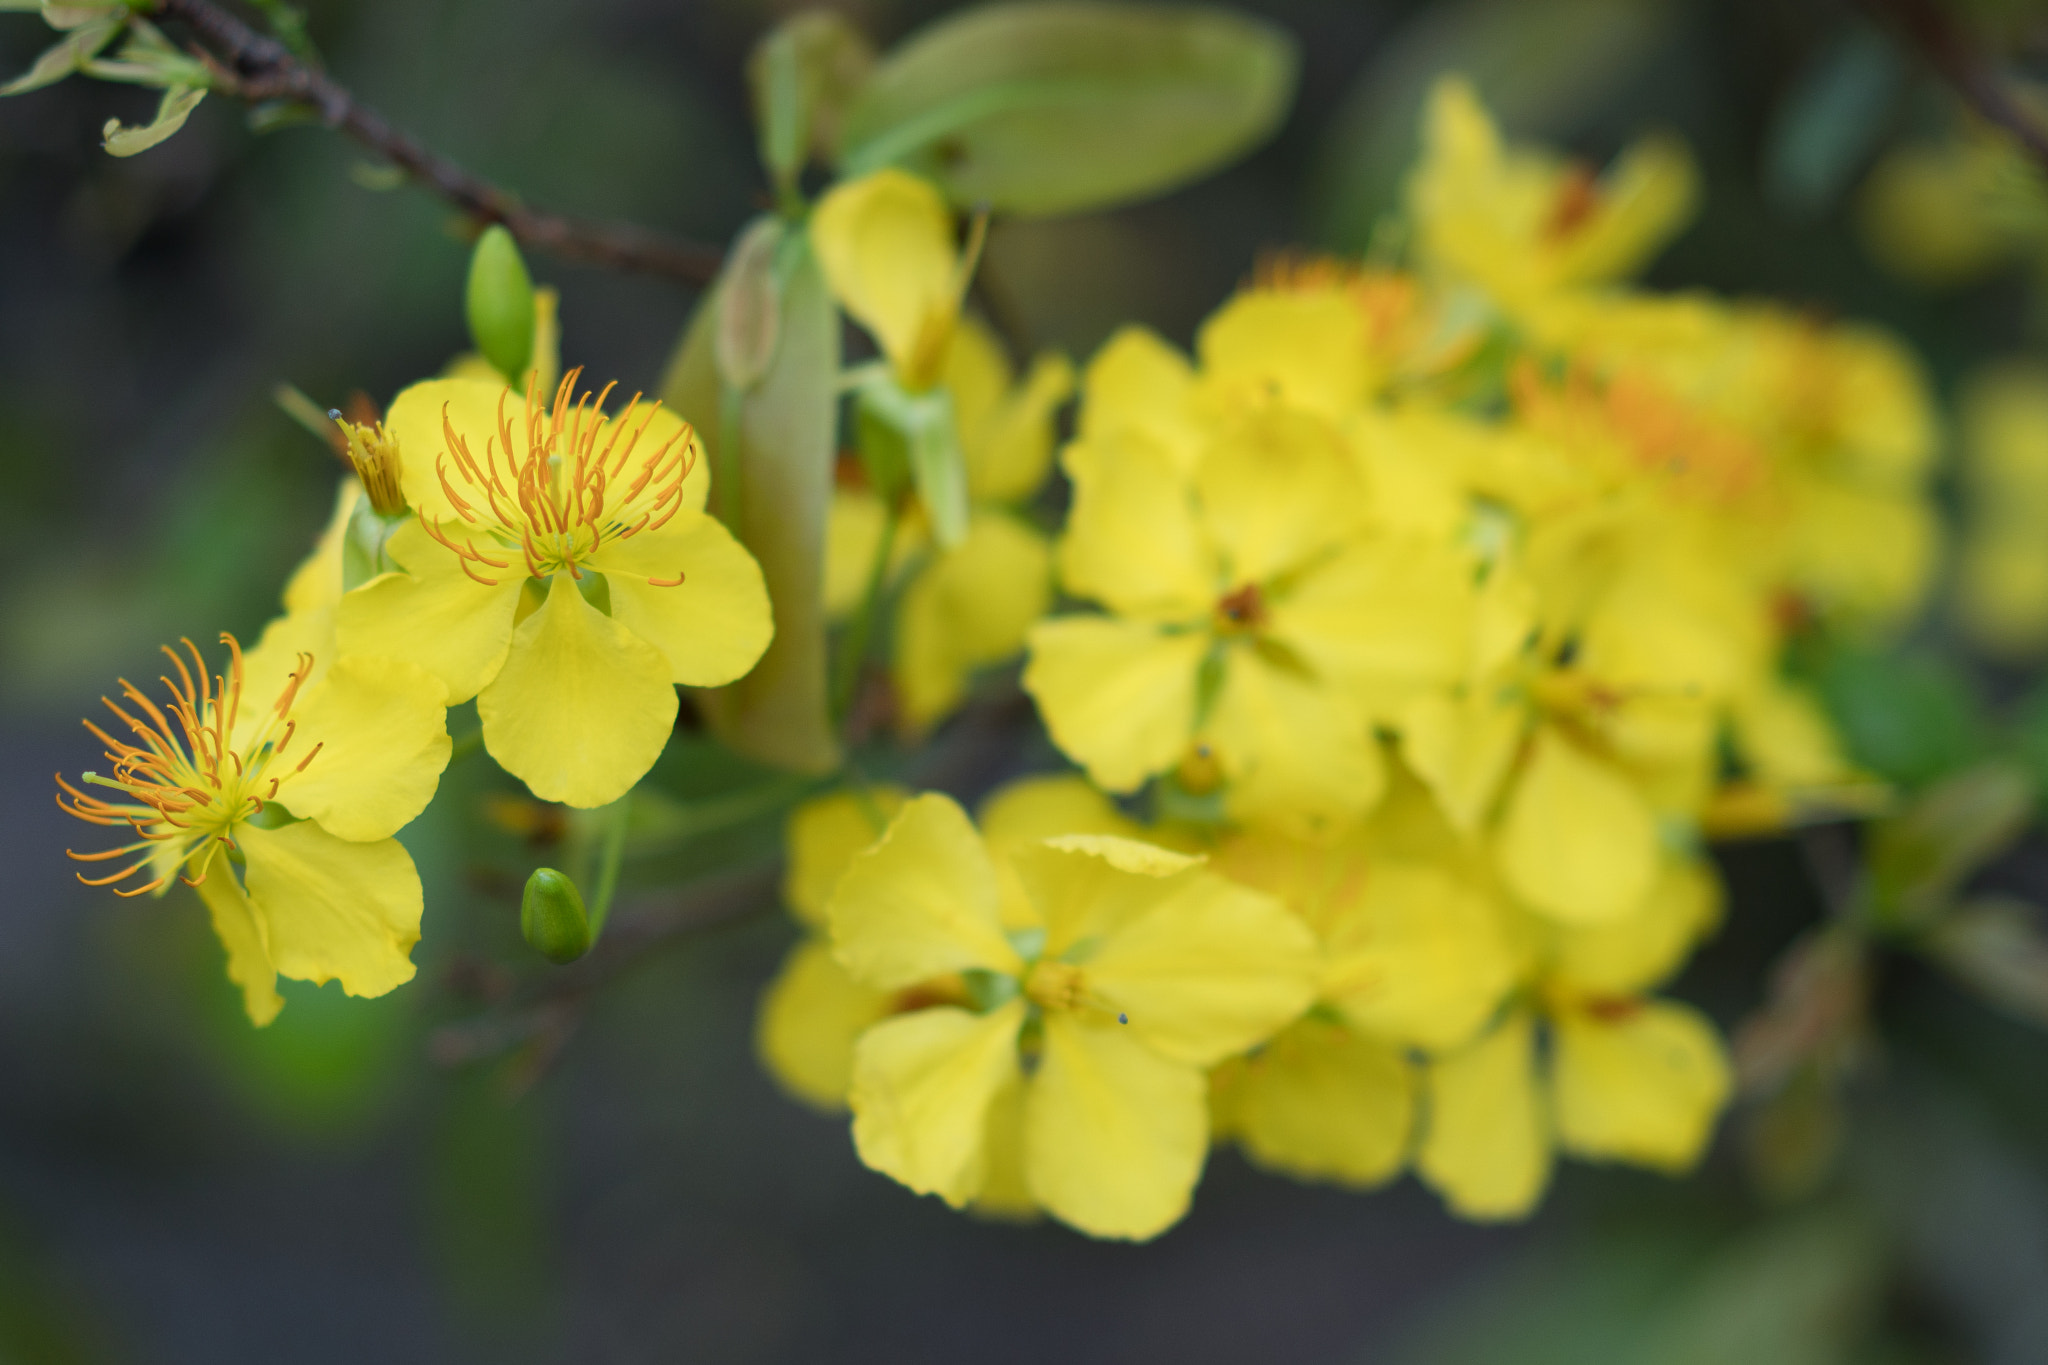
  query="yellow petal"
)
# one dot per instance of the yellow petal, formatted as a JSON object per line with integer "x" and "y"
{"x": 714, "y": 625}
{"x": 1486, "y": 1149}
{"x": 332, "y": 910}
{"x": 923, "y": 1084}
{"x": 433, "y": 615}
{"x": 1114, "y": 1134}
{"x": 885, "y": 242}
{"x": 236, "y": 925}
{"x": 1277, "y": 490}
{"x": 316, "y": 583}
{"x": 822, "y": 837}
{"x": 1577, "y": 841}
{"x": 420, "y": 418}
{"x": 1133, "y": 540}
{"x": 1321, "y": 1103}
{"x": 1462, "y": 746}
{"x": 268, "y": 667}
{"x": 1388, "y": 619}
{"x": 1031, "y": 810}
{"x": 1138, "y": 382}
{"x": 1420, "y": 956}
{"x": 1084, "y": 888}
{"x": 811, "y": 1015}
{"x": 977, "y": 373}
{"x": 1004, "y": 1192}
{"x": 582, "y": 707}
{"x": 853, "y": 535}
{"x": 1117, "y": 696}
{"x": 1640, "y": 950}
{"x": 1209, "y": 970}
{"x": 971, "y": 607}
{"x": 1009, "y": 450}
{"x": 1305, "y": 348}
{"x": 921, "y": 902}
{"x": 1643, "y": 1084}
{"x": 647, "y": 431}
{"x": 1297, "y": 754}
{"x": 382, "y": 733}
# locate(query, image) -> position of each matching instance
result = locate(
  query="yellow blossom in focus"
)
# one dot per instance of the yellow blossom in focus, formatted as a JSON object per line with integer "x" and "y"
{"x": 563, "y": 572}
{"x": 1080, "y": 1052}
{"x": 300, "y": 789}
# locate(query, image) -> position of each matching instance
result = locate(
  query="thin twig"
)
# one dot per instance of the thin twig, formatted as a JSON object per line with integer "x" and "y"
{"x": 1945, "y": 47}
{"x": 260, "y": 69}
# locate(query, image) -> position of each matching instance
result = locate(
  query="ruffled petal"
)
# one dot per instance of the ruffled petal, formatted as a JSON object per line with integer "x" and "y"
{"x": 1321, "y": 1103}
{"x": 1134, "y": 541}
{"x": 1118, "y": 696}
{"x": 582, "y": 707}
{"x": 822, "y": 837}
{"x": 1031, "y": 810}
{"x": 382, "y": 733}
{"x": 921, "y": 902}
{"x": 1642, "y": 1083}
{"x": 1487, "y": 1146}
{"x": 923, "y": 1085}
{"x": 1577, "y": 841}
{"x": 1114, "y": 1134}
{"x": 241, "y": 933}
{"x": 811, "y": 1016}
{"x": 334, "y": 910}
{"x": 1085, "y": 887}
{"x": 433, "y": 615}
{"x": 715, "y": 624}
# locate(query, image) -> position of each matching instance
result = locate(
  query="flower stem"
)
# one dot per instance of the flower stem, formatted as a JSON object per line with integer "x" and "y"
{"x": 610, "y": 853}
{"x": 853, "y": 647}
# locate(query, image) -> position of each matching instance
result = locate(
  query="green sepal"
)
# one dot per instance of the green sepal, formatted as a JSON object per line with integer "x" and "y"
{"x": 916, "y": 432}
{"x": 499, "y": 301}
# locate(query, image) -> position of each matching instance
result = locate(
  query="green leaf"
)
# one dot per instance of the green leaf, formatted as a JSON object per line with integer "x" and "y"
{"x": 171, "y": 112}
{"x": 1907, "y": 720}
{"x": 1545, "y": 68}
{"x": 1919, "y": 858}
{"x": 63, "y": 57}
{"x": 1054, "y": 107}
{"x": 802, "y": 74}
{"x": 787, "y": 428}
{"x": 1831, "y": 121}
{"x": 499, "y": 302}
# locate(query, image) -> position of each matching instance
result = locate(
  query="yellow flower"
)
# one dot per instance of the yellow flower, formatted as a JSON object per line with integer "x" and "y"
{"x": 885, "y": 243}
{"x": 2002, "y": 573}
{"x": 1416, "y": 957}
{"x": 208, "y": 784}
{"x": 968, "y": 606}
{"x": 813, "y": 1011}
{"x": 1623, "y": 1079}
{"x": 561, "y": 571}
{"x": 1081, "y": 1052}
{"x": 1522, "y": 224}
{"x": 1255, "y": 614}
{"x": 1944, "y": 213}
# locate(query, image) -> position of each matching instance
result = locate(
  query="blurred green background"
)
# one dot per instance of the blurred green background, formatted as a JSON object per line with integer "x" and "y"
{"x": 629, "y": 1186}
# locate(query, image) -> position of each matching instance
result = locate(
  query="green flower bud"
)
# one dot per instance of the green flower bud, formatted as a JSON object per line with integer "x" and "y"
{"x": 500, "y": 304}
{"x": 551, "y": 916}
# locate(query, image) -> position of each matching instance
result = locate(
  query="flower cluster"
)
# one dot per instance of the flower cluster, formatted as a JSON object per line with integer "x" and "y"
{"x": 1415, "y": 634}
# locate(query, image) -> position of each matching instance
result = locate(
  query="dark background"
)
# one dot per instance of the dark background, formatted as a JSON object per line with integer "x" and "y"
{"x": 176, "y": 1187}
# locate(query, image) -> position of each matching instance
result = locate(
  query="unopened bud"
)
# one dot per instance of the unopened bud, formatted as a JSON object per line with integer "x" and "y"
{"x": 373, "y": 454}
{"x": 500, "y": 304}
{"x": 551, "y": 916}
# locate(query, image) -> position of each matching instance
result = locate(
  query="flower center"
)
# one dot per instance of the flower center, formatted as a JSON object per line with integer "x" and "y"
{"x": 185, "y": 782}
{"x": 1241, "y": 611}
{"x": 559, "y": 484}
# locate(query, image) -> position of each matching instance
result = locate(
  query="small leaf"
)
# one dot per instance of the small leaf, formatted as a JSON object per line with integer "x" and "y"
{"x": 1996, "y": 946}
{"x": 749, "y": 306}
{"x": 500, "y": 304}
{"x": 930, "y": 445}
{"x": 1045, "y": 108}
{"x": 171, "y": 112}
{"x": 1831, "y": 121}
{"x": 1907, "y": 720}
{"x": 802, "y": 75}
{"x": 1919, "y": 858}
{"x": 63, "y": 57}
{"x": 787, "y": 426}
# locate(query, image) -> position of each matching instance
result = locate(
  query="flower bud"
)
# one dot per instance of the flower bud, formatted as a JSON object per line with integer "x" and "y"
{"x": 500, "y": 304}
{"x": 551, "y": 916}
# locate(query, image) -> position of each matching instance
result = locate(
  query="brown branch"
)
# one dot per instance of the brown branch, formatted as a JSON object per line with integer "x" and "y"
{"x": 1975, "y": 77}
{"x": 260, "y": 69}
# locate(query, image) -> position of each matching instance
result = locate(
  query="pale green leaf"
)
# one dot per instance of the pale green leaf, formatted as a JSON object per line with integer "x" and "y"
{"x": 171, "y": 112}
{"x": 1060, "y": 105}
{"x": 802, "y": 75}
{"x": 63, "y": 57}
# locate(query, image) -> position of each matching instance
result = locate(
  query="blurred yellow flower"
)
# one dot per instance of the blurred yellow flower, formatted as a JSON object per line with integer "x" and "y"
{"x": 885, "y": 242}
{"x": 209, "y": 785}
